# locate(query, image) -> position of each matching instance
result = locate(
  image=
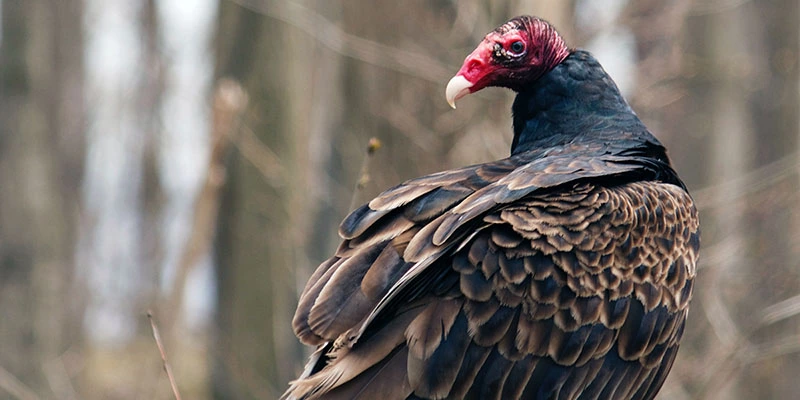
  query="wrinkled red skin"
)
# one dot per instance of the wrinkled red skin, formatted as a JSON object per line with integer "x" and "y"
{"x": 494, "y": 63}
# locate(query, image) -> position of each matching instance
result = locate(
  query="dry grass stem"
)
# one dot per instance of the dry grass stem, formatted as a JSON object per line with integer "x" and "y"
{"x": 163, "y": 353}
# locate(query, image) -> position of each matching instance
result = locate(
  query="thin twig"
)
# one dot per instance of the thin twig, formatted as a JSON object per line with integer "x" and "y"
{"x": 363, "y": 177}
{"x": 164, "y": 361}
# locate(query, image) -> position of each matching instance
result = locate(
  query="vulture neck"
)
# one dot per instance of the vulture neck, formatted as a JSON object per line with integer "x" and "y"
{"x": 575, "y": 101}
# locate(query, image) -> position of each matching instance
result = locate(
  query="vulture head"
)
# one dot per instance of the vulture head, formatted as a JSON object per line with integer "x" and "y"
{"x": 512, "y": 56}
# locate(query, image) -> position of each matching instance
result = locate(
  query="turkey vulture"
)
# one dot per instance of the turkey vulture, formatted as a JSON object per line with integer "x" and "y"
{"x": 561, "y": 272}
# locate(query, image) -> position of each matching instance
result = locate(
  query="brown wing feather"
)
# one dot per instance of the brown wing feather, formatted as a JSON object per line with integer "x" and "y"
{"x": 568, "y": 293}
{"x": 618, "y": 341}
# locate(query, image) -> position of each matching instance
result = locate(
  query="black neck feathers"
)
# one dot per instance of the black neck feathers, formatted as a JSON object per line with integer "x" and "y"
{"x": 576, "y": 100}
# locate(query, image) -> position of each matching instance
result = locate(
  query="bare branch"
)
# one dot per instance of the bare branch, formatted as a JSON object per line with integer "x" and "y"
{"x": 775, "y": 348}
{"x": 167, "y": 368}
{"x": 782, "y": 310}
{"x": 730, "y": 248}
{"x": 715, "y": 6}
{"x": 753, "y": 181}
{"x": 330, "y": 36}
{"x": 408, "y": 125}
{"x": 15, "y": 387}
{"x": 719, "y": 318}
{"x": 229, "y": 102}
{"x": 260, "y": 156}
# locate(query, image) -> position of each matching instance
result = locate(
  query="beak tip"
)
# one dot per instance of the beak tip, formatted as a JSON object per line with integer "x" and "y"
{"x": 457, "y": 88}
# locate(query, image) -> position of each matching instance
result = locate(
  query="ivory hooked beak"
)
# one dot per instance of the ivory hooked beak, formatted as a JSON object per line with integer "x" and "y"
{"x": 457, "y": 88}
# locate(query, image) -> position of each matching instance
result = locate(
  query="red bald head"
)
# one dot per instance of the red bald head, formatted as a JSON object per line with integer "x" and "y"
{"x": 513, "y": 56}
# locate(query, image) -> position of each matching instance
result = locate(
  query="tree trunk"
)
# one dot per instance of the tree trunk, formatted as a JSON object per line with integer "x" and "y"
{"x": 41, "y": 165}
{"x": 252, "y": 218}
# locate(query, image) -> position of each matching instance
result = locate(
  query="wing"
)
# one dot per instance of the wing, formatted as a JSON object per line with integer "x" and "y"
{"x": 347, "y": 287}
{"x": 399, "y": 234}
{"x": 496, "y": 281}
{"x": 580, "y": 295}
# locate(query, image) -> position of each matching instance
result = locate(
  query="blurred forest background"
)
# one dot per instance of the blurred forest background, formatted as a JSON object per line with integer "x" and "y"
{"x": 195, "y": 159}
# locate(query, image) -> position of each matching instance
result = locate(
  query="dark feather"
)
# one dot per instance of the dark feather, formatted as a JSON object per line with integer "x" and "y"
{"x": 315, "y": 284}
{"x": 489, "y": 381}
{"x": 434, "y": 203}
{"x": 359, "y": 220}
{"x": 342, "y": 303}
{"x": 378, "y": 382}
{"x": 431, "y": 327}
{"x": 384, "y": 271}
{"x": 433, "y": 376}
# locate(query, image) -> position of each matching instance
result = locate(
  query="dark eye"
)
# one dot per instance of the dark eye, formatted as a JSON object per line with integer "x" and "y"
{"x": 517, "y": 47}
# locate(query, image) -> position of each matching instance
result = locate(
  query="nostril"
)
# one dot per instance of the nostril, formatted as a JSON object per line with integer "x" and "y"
{"x": 474, "y": 64}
